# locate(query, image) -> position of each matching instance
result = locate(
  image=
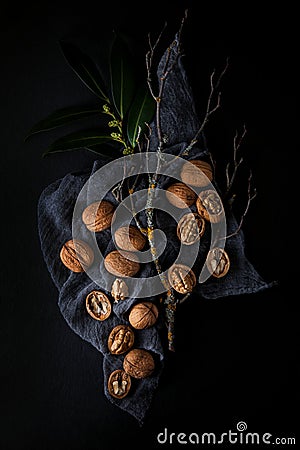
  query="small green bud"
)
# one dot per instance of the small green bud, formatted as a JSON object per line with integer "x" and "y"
{"x": 113, "y": 123}
{"x": 116, "y": 136}
{"x": 128, "y": 151}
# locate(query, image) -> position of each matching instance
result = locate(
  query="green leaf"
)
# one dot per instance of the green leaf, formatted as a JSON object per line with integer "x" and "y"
{"x": 140, "y": 113}
{"x": 105, "y": 150}
{"x": 121, "y": 76}
{"x": 63, "y": 117}
{"x": 85, "y": 69}
{"x": 78, "y": 140}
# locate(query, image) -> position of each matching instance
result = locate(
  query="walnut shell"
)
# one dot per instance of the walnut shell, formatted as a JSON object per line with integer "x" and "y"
{"x": 209, "y": 206}
{"x": 196, "y": 173}
{"x": 180, "y": 195}
{"x": 190, "y": 228}
{"x": 76, "y": 255}
{"x": 125, "y": 264}
{"x": 119, "y": 290}
{"x": 98, "y": 215}
{"x": 139, "y": 363}
{"x": 130, "y": 238}
{"x": 218, "y": 262}
{"x": 119, "y": 383}
{"x": 120, "y": 339}
{"x": 98, "y": 305}
{"x": 182, "y": 278}
{"x": 143, "y": 315}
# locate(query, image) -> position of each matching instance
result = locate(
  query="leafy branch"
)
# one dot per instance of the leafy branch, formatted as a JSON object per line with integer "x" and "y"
{"x": 127, "y": 109}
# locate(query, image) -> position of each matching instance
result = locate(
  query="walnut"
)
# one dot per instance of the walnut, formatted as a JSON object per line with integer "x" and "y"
{"x": 130, "y": 238}
{"x": 139, "y": 363}
{"x": 180, "y": 195}
{"x": 76, "y": 255}
{"x": 196, "y": 173}
{"x": 190, "y": 228}
{"x": 119, "y": 290}
{"x": 120, "y": 339}
{"x": 143, "y": 315}
{"x": 209, "y": 206}
{"x": 122, "y": 265}
{"x": 182, "y": 278}
{"x": 98, "y": 305}
{"x": 218, "y": 262}
{"x": 98, "y": 215}
{"x": 119, "y": 383}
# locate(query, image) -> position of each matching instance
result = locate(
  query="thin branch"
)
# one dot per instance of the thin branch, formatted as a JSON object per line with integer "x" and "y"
{"x": 222, "y": 74}
{"x": 134, "y": 213}
{"x": 168, "y": 67}
{"x": 213, "y": 104}
{"x": 237, "y": 142}
{"x": 117, "y": 190}
{"x": 132, "y": 188}
{"x": 170, "y": 300}
{"x": 150, "y": 56}
{"x": 183, "y": 299}
{"x": 138, "y": 139}
{"x": 251, "y": 195}
{"x": 213, "y": 163}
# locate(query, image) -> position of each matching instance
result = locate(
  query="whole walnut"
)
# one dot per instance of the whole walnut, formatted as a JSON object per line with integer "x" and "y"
{"x": 98, "y": 215}
{"x": 77, "y": 255}
{"x": 143, "y": 315}
{"x": 196, "y": 173}
{"x": 125, "y": 264}
{"x": 130, "y": 238}
{"x": 180, "y": 195}
{"x": 139, "y": 363}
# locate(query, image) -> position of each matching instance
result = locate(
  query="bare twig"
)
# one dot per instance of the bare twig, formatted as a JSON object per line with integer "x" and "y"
{"x": 170, "y": 300}
{"x": 117, "y": 190}
{"x": 149, "y": 59}
{"x": 251, "y": 195}
{"x": 237, "y": 141}
{"x": 169, "y": 64}
{"x": 213, "y": 163}
{"x": 183, "y": 299}
{"x": 213, "y": 104}
{"x": 168, "y": 67}
{"x": 138, "y": 139}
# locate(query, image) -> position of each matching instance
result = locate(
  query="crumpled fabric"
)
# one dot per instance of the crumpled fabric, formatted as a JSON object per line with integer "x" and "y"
{"x": 179, "y": 123}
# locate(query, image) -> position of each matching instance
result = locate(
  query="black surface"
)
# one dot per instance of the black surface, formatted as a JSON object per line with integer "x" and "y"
{"x": 236, "y": 357}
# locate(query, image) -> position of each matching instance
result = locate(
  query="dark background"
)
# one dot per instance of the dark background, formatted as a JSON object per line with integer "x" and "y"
{"x": 235, "y": 357}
